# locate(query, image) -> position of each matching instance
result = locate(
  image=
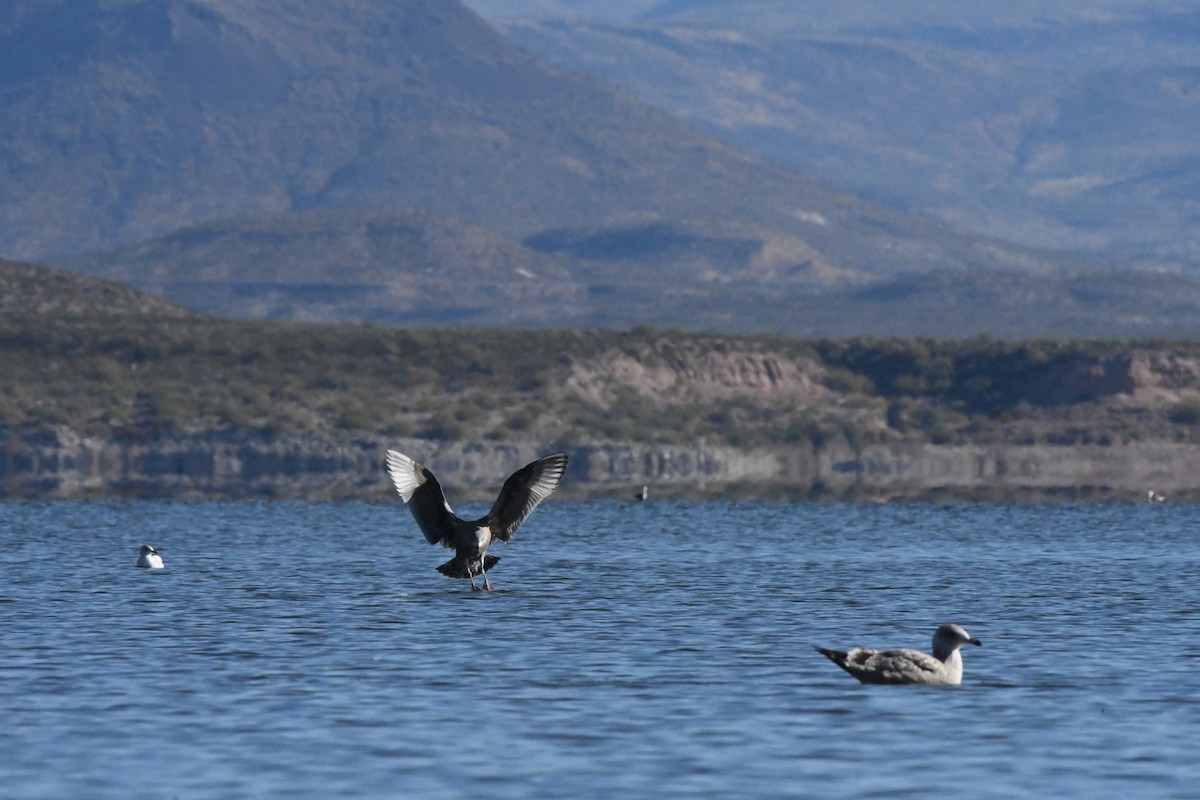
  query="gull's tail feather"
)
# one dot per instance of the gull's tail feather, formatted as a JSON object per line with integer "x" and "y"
{"x": 455, "y": 568}
{"x": 843, "y": 660}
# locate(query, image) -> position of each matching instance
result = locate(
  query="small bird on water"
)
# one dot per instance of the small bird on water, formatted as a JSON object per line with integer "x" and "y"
{"x": 149, "y": 557}
{"x": 520, "y": 495}
{"x": 943, "y": 668}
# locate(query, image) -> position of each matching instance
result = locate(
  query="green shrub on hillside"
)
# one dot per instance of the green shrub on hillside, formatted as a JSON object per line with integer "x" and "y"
{"x": 1185, "y": 413}
{"x": 146, "y": 379}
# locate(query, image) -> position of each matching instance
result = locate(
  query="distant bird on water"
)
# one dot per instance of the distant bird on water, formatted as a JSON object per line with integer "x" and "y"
{"x": 1154, "y": 497}
{"x": 943, "y": 668}
{"x": 520, "y": 495}
{"x": 149, "y": 557}
{"x": 643, "y": 495}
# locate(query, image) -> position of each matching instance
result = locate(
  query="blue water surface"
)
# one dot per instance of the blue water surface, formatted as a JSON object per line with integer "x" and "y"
{"x": 659, "y": 649}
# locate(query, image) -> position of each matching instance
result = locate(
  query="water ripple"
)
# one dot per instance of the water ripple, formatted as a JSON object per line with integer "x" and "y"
{"x": 653, "y": 650}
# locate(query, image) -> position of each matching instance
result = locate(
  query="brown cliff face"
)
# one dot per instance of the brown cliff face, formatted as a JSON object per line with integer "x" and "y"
{"x": 1137, "y": 377}
{"x": 1092, "y": 381}
{"x": 697, "y": 371}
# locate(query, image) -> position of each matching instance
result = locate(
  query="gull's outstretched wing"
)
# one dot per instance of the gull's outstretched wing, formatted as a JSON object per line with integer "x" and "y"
{"x": 522, "y": 492}
{"x": 423, "y": 494}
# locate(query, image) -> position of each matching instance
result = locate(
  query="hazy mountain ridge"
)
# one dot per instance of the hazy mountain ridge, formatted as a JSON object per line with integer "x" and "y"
{"x": 177, "y": 113}
{"x": 410, "y": 268}
{"x": 1065, "y": 127}
{"x": 402, "y": 162}
{"x": 339, "y": 265}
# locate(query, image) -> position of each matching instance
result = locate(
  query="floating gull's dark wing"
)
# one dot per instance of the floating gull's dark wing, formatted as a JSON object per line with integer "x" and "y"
{"x": 522, "y": 492}
{"x": 423, "y": 494}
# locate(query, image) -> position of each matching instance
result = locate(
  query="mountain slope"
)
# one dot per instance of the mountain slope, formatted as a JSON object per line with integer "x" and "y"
{"x": 128, "y": 120}
{"x": 407, "y": 268}
{"x": 33, "y": 290}
{"x": 374, "y": 266}
{"x": 1059, "y": 125}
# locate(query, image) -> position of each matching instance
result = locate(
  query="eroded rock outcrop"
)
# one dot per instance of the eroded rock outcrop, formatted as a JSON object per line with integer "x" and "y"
{"x": 68, "y": 465}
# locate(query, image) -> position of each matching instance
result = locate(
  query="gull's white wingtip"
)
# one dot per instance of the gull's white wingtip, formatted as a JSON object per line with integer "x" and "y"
{"x": 406, "y": 474}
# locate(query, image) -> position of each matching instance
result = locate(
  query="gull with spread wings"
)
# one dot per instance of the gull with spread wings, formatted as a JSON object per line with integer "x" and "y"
{"x": 470, "y": 539}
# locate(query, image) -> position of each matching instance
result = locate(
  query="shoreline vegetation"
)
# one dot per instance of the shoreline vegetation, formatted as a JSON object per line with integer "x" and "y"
{"x": 96, "y": 406}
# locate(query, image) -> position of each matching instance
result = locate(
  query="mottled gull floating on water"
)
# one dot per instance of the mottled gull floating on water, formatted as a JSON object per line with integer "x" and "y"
{"x": 943, "y": 668}
{"x": 470, "y": 539}
{"x": 149, "y": 557}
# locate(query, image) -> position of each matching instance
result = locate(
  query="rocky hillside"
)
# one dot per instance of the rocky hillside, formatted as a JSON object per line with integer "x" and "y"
{"x": 187, "y": 407}
{"x": 29, "y": 289}
{"x": 352, "y": 266}
{"x": 65, "y": 465}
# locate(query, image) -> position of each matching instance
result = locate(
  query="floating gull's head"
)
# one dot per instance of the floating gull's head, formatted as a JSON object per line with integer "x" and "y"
{"x": 149, "y": 557}
{"x": 950, "y": 637}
